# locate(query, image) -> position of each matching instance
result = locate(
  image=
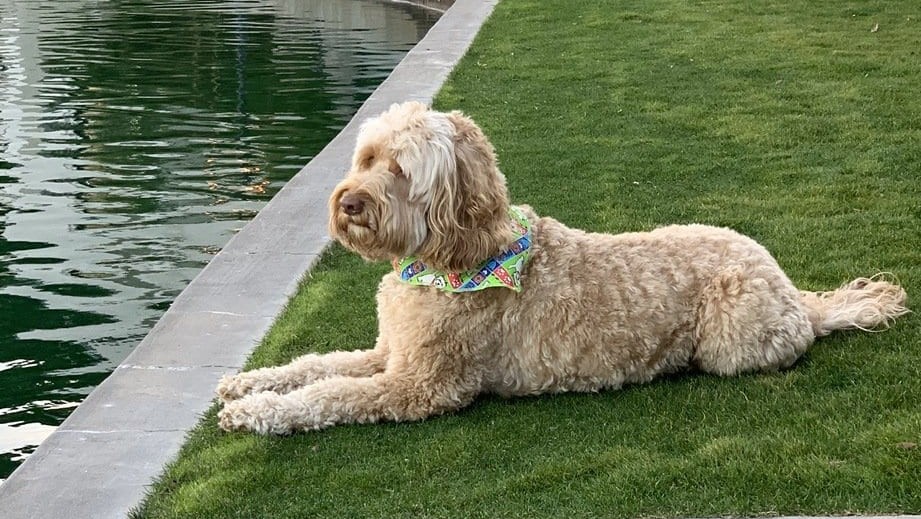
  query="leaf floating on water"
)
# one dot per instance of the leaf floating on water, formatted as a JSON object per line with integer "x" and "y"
{"x": 257, "y": 188}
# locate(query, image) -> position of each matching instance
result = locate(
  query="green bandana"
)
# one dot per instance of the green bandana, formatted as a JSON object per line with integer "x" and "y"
{"x": 502, "y": 270}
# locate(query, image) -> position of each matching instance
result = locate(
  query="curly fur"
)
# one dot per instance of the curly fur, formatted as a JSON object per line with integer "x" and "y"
{"x": 675, "y": 298}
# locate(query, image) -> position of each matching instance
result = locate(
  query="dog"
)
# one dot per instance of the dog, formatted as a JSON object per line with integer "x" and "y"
{"x": 486, "y": 297}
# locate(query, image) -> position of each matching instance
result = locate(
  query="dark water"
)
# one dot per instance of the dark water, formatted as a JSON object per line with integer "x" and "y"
{"x": 135, "y": 138}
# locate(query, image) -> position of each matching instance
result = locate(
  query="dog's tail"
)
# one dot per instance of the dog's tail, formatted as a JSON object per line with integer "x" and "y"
{"x": 868, "y": 304}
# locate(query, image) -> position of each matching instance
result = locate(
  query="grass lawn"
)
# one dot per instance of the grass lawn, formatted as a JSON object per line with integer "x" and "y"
{"x": 794, "y": 122}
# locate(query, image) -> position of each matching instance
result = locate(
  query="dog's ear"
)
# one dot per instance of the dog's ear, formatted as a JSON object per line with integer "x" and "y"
{"x": 424, "y": 149}
{"x": 468, "y": 213}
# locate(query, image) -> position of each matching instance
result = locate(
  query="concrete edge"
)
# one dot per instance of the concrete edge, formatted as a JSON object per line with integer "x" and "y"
{"x": 101, "y": 460}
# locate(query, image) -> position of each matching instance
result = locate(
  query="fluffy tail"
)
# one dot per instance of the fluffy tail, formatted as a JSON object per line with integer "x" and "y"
{"x": 868, "y": 304}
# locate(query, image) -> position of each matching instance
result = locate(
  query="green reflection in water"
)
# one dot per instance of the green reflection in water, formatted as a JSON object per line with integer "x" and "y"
{"x": 135, "y": 138}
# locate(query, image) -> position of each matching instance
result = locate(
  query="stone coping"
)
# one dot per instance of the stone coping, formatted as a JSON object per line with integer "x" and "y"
{"x": 101, "y": 460}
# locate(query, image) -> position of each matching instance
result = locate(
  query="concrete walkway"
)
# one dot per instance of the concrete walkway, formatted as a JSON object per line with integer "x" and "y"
{"x": 100, "y": 461}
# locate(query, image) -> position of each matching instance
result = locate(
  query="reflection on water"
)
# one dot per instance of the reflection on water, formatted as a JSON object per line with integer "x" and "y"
{"x": 135, "y": 138}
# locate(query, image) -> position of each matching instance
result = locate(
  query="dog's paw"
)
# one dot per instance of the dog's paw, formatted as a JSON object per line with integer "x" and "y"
{"x": 232, "y": 387}
{"x": 254, "y": 413}
{"x": 229, "y": 419}
{"x": 270, "y": 413}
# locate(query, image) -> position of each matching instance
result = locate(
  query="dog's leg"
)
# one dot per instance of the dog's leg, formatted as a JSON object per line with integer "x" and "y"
{"x": 339, "y": 400}
{"x": 302, "y": 371}
{"x": 750, "y": 319}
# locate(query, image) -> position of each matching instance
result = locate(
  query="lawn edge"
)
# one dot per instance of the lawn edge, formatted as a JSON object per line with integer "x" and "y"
{"x": 102, "y": 459}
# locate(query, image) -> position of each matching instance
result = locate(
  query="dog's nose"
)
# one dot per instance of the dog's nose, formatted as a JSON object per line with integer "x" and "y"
{"x": 351, "y": 204}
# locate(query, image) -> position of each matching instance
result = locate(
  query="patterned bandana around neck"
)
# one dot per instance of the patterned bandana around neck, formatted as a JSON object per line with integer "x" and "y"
{"x": 502, "y": 270}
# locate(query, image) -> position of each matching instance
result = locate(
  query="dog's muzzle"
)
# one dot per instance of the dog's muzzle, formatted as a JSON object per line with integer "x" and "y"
{"x": 351, "y": 204}
{"x": 353, "y": 210}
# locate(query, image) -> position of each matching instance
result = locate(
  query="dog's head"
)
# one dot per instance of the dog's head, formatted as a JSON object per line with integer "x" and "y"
{"x": 422, "y": 183}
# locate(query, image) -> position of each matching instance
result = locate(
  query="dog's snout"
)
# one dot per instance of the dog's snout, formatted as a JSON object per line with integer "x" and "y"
{"x": 351, "y": 204}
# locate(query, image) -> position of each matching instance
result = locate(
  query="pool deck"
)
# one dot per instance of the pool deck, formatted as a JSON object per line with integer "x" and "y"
{"x": 101, "y": 460}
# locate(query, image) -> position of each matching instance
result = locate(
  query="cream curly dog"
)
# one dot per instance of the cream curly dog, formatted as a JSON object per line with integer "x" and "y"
{"x": 570, "y": 310}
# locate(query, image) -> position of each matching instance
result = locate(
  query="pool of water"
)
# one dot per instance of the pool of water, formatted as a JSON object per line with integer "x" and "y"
{"x": 135, "y": 138}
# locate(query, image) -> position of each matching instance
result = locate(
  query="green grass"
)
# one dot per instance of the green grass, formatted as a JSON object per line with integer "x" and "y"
{"x": 790, "y": 121}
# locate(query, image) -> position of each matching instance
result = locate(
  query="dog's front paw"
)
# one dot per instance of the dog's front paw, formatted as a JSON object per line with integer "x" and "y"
{"x": 230, "y": 419}
{"x": 233, "y": 387}
{"x": 261, "y": 413}
{"x": 250, "y": 414}
{"x": 272, "y": 413}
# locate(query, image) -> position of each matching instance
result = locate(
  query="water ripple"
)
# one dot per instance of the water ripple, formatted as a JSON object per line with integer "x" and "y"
{"x": 135, "y": 138}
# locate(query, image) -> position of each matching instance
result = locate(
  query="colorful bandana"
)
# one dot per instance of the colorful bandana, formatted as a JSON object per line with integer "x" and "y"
{"x": 502, "y": 270}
